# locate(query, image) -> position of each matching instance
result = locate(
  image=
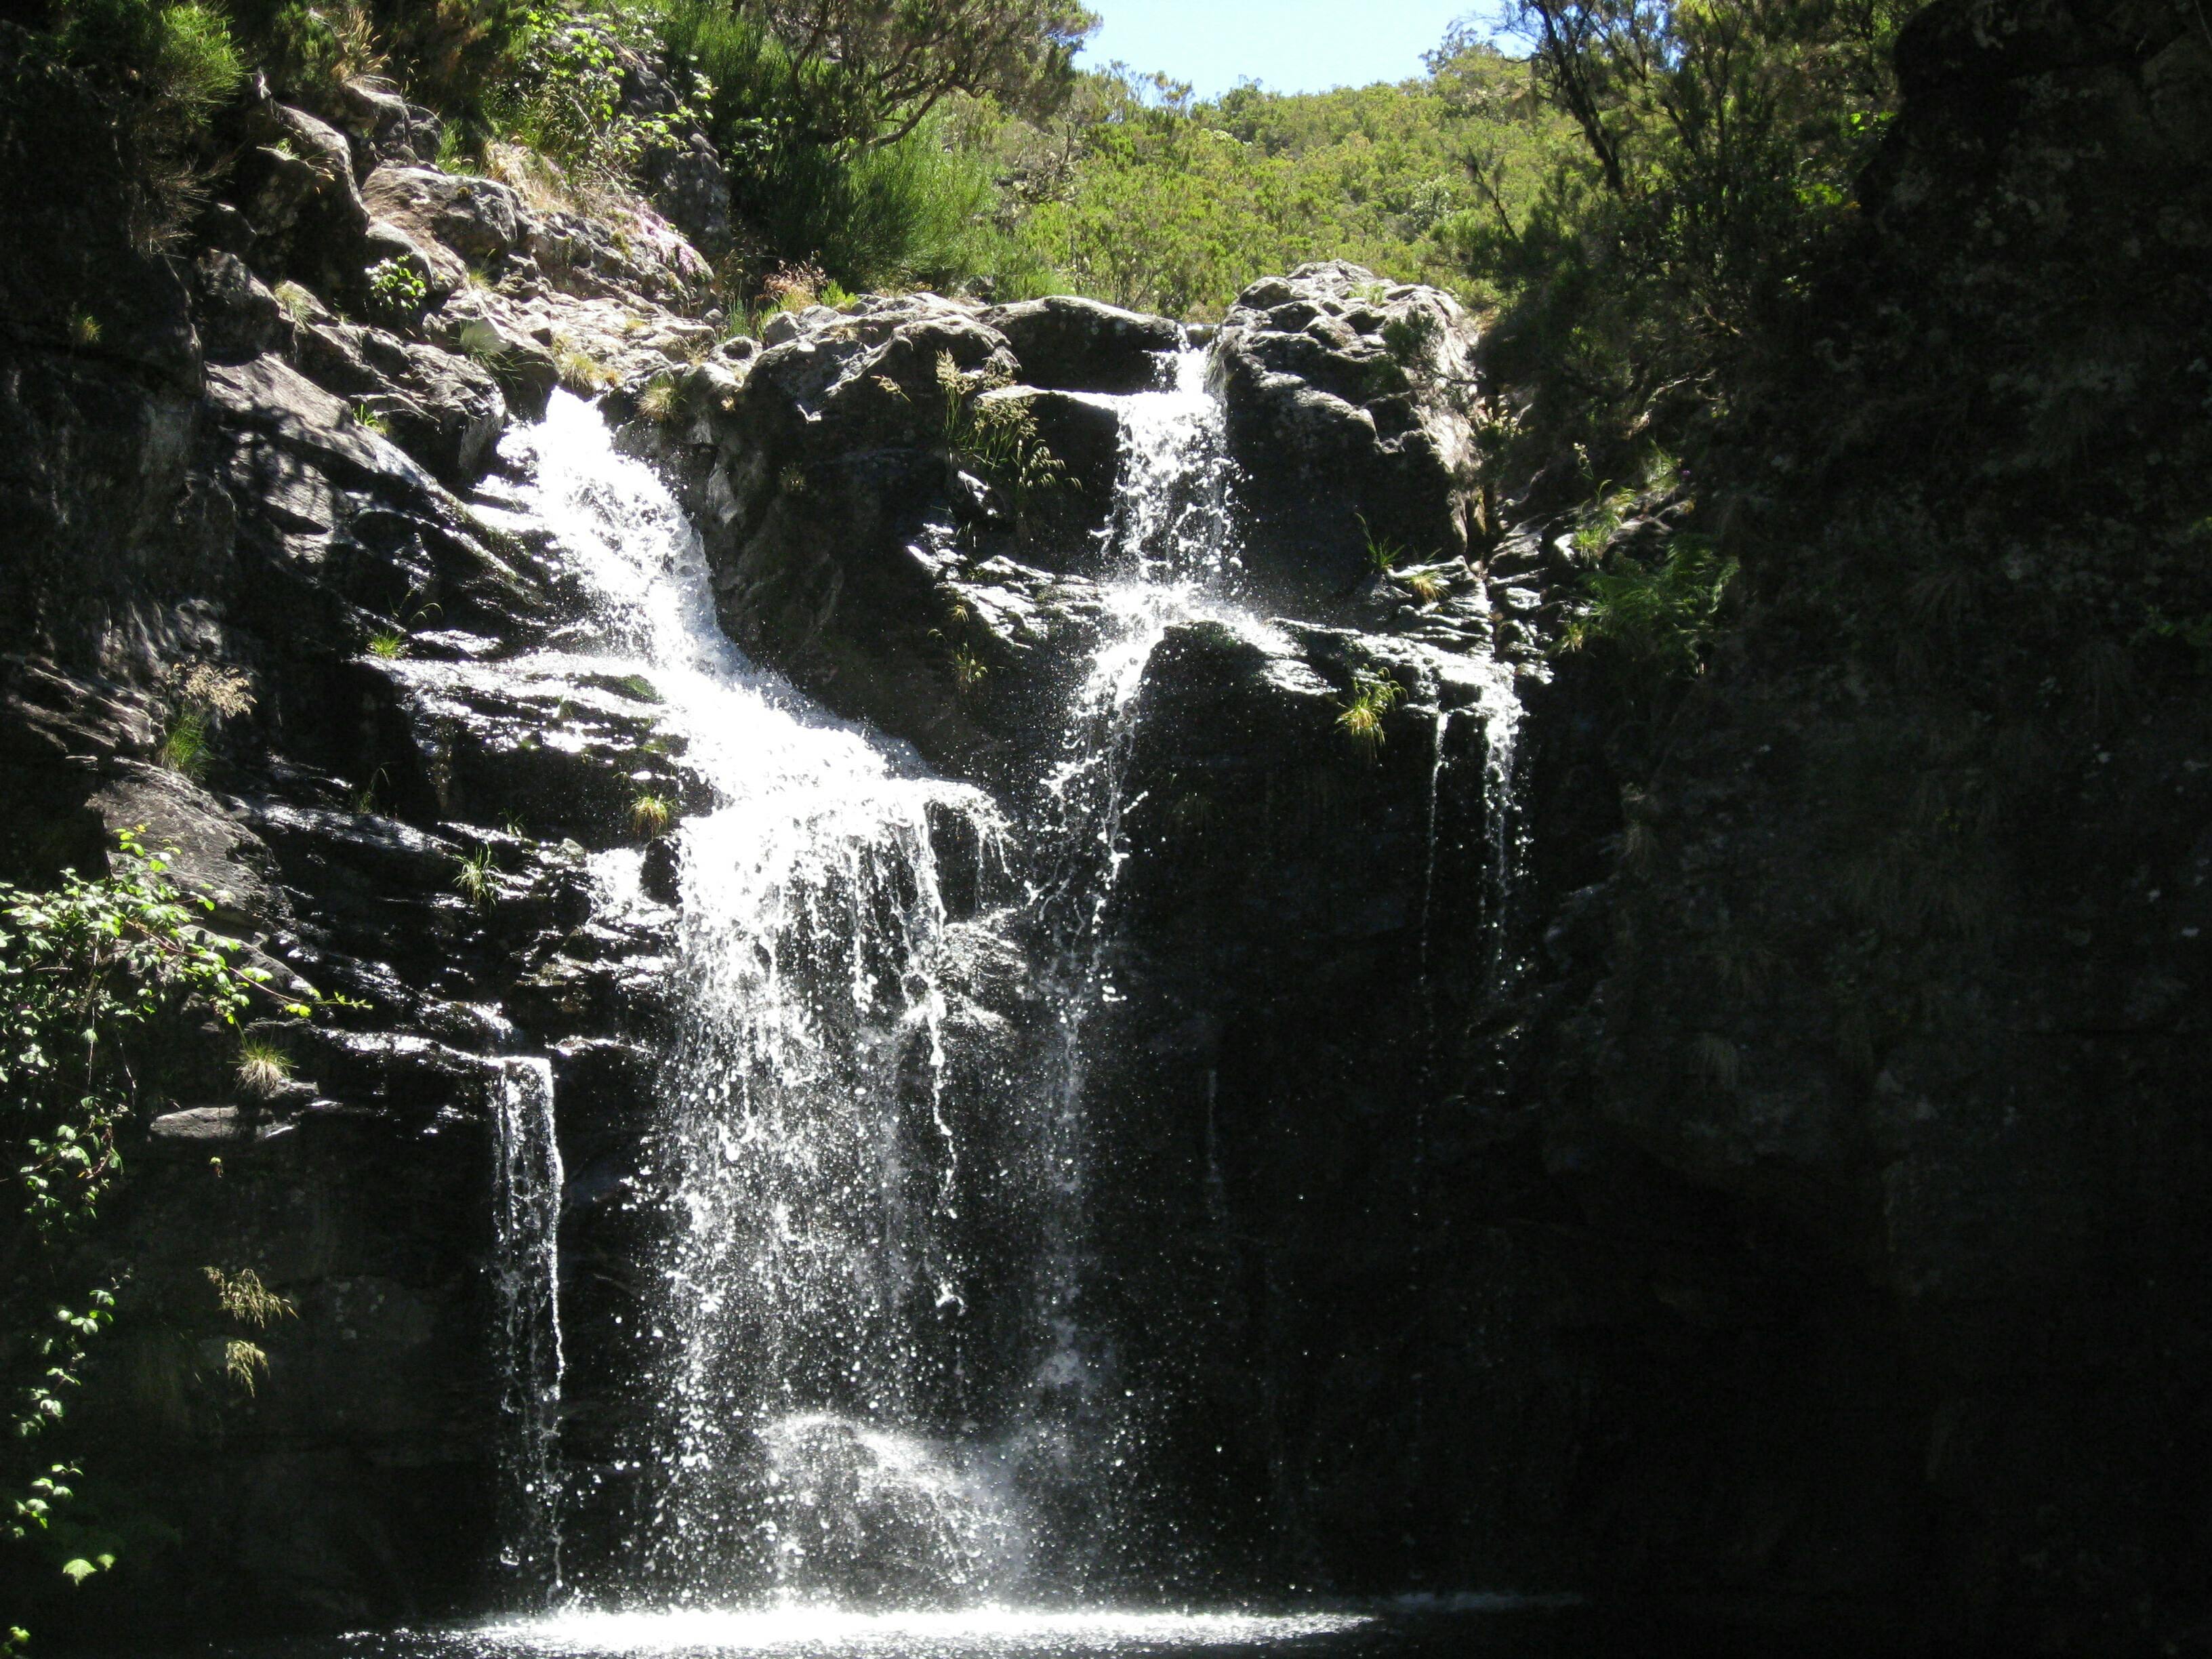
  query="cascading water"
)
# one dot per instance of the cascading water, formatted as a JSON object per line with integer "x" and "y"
{"x": 814, "y": 1288}
{"x": 820, "y": 1432}
{"x": 527, "y": 1181}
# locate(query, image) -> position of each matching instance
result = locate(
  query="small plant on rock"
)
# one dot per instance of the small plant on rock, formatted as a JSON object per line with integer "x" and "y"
{"x": 480, "y": 342}
{"x": 83, "y": 330}
{"x": 1360, "y": 719}
{"x": 660, "y": 401}
{"x": 996, "y": 438}
{"x": 476, "y": 878}
{"x": 396, "y": 289}
{"x": 388, "y": 644}
{"x": 969, "y": 669}
{"x": 297, "y": 302}
{"x": 184, "y": 748}
{"x": 369, "y": 419}
{"x": 1425, "y": 585}
{"x": 580, "y": 372}
{"x": 264, "y": 1068}
{"x": 1382, "y": 553}
{"x": 650, "y": 815}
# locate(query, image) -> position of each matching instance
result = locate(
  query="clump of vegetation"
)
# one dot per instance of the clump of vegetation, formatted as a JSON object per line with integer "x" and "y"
{"x": 661, "y": 400}
{"x": 995, "y": 438}
{"x": 84, "y": 330}
{"x": 396, "y": 289}
{"x": 1360, "y": 716}
{"x": 246, "y": 1301}
{"x": 476, "y": 878}
{"x": 1427, "y": 586}
{"x": 388, "y": 644}
{"x": 369, "y": 418}
{"x": 1382, "y": 554}
{"x": 580, "y": 371}
{"x": 1660, "y": 616}
{"x": 480, "y": 342}
{"x": 650, "y": 815}
{"x": 969, "y": 671}
{"x": 298, "y": 303}
{"x": 200, "y": 694}
{"x": 264, "y": 1068}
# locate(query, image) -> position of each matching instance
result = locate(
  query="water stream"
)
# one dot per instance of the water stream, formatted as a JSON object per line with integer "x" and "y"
{"x": 826, "y": 1431}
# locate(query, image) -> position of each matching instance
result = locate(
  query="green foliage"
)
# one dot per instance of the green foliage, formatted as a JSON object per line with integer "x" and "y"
{"x": 101, "y": 982}
{"x": 1718, "y": 148}
{"x": 396, "y": 289}
{"x": 1382, "y": 553}
{"x": 1662, "y": 615}
{"x": 388, "y": 645}
{"x": 184, "y": 748}
{"x": 476, "y": 878}
{"x": 995, "y": 438}
{"x": 855, "y": 74}
{"x": 969, "y": 671}
{"x": 1360, "y": 716}
{"x": 1140, "y": 194}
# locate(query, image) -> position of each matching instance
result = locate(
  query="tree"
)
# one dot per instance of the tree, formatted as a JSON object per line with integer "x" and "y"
{"x": 870, "y": 72}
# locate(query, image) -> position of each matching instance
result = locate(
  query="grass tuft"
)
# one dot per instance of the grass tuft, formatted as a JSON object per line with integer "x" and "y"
{"x": 650, "y": 815}
{"x": 1360, "y": 719}
{"x": 264, "y": 1068}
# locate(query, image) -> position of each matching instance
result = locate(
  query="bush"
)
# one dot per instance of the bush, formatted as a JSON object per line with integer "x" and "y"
{"x": 102, "y": 984}
{"x": 1660, "y": 616}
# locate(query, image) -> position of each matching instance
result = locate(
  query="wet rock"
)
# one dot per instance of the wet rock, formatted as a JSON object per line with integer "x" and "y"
{"x": 1071, "y": 344}
{"x": 209, "y": 850}
{"x": 296, "y": 187}
{"x": 851, "y": 548}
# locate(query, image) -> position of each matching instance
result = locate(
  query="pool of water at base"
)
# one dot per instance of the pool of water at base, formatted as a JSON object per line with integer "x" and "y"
{"x": 1499, "y": 1627}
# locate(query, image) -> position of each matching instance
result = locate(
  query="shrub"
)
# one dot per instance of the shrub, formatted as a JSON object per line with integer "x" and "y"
{"x": 1660, "y": 616}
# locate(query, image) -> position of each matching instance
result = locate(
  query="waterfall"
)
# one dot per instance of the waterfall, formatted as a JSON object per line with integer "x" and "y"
{"x": 527, "y": 1181}
{"x": 814, "y": 1290}
{"x": 862, "y": 1385}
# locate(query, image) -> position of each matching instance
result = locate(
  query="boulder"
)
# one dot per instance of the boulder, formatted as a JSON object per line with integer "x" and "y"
{"x": 457, "y": 222}
{"x": 1071, "y": 345}
{"x": 1349, "y": 406}
{"x": 239, "y": 317}
{"x": 295, "y": 185}
{"x": 855, "y": 550}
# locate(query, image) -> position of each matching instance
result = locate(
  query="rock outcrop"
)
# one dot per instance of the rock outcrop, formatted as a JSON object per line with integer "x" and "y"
{"x": 1352, "y": 405}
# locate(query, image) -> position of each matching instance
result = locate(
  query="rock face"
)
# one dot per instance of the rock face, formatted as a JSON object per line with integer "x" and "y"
{"x": 859, "y": 547}
{"x": 1351, "y": 403}
{"x": 210, "y": 472}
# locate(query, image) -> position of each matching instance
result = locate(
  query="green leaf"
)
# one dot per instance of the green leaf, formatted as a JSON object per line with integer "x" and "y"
{"x": 76, "y": 1571}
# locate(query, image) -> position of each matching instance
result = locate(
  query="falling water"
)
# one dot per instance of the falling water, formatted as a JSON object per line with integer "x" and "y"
{"x": 818, "y": 1434}
{"x": 526, "y": 1180}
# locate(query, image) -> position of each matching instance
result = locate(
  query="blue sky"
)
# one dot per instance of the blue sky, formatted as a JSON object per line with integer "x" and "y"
{"x": 1292, "y": 45}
